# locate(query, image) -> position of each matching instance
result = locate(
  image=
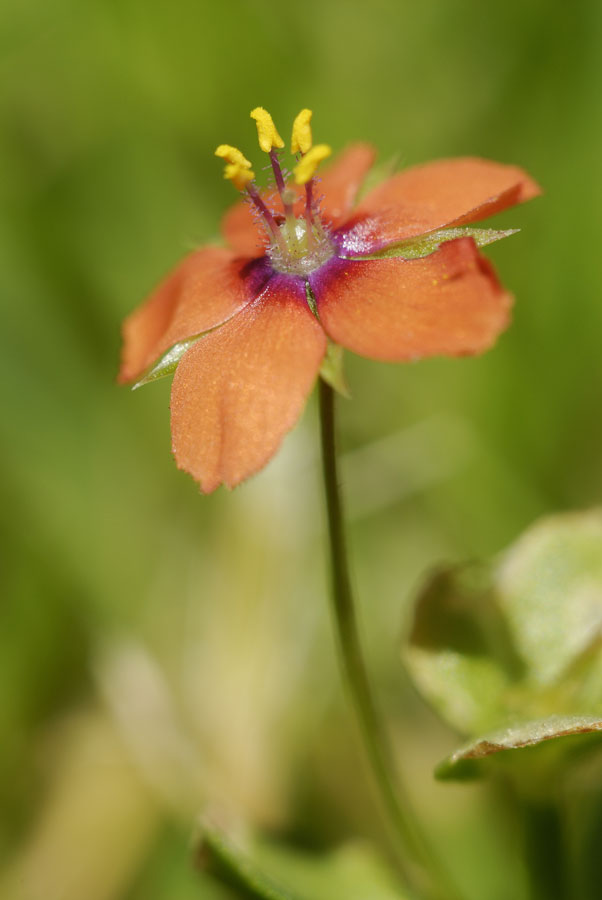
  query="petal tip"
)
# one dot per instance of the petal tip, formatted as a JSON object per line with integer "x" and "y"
{"x": 240, "y": 390}
{"x": 530, "y": 189}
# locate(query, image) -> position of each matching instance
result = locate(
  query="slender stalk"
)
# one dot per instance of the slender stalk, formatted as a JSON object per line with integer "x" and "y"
{"x": 309, "y": 213}
{"x": 266, "y": 215}
{"x": 281, "y": 185}
{"x": 410, "y": 839}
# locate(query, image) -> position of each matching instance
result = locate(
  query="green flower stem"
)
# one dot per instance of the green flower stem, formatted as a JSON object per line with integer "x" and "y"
{"x": 425, "y": 870}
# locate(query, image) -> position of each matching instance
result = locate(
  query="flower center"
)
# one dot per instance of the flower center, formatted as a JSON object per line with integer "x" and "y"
{"x": 301, "y": 246}
{"x": 299, "y": 242}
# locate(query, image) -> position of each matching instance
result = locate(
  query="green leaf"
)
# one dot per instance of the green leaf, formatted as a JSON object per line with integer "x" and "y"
{"x": 167, "y": 364}
{"x": 424, "y": 245}
{"x": 550, "y": 589}
{"x": 459, "y": 653}
{"x": 463, "y": 763}
{"x": 520, "y": 642}
{"x": 223, "y": 859}
{"x": 353, "y": 872}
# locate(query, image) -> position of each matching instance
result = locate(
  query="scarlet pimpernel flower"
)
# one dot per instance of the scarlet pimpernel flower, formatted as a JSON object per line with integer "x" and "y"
{"x": 247, "y": 328}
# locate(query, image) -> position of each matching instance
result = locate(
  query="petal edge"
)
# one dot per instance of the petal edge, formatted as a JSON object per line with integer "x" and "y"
{"x": 203, "y": 291}
{"x": 436, "y": 195}
{"x": 447, "y": 304}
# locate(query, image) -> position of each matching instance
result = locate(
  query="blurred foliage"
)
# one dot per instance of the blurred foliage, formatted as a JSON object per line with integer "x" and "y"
{"x": 354, "y": 871}
{"x": 516, "y": 647}
{"x": 159, "y": 651}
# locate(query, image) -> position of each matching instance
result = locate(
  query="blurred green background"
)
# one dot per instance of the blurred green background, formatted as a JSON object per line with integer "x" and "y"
{"x": 161, "y": 652}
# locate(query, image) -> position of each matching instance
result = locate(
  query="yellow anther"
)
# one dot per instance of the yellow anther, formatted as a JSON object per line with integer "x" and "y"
{"x": 266, "y": 130}
{"x": 306, "y": 169}
{"x": 239, "y": 175}
{"x": 301, "y": 140}
{"x": 232, "y": 155}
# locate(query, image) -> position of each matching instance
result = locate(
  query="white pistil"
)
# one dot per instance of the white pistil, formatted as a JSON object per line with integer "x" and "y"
{"x": 299, "y": 251}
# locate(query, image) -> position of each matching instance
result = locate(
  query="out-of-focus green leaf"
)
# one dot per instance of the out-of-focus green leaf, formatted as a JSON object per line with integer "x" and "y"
{"x": 423, "y": 246}
{"x": 458, "y": 651}
{"x": 354, "y": 872}
{"x": 527, "y": 734}
{"x": 518, "y": 643}
{"x": 550, "y": 588}
{"x": 227, "y": 862}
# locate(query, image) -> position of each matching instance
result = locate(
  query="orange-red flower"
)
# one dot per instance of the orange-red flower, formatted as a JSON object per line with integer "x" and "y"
{"x": 247, "y": 326}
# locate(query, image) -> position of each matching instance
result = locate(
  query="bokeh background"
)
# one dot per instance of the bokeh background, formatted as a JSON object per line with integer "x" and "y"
{"x": 163, "y": 652}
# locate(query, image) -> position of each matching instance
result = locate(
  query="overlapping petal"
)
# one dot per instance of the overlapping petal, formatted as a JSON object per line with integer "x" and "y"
{"x": 203, "y": 291}
{"x": 339, "y": 184}
{"x": 448, "y": 303}
{"x": 239, "y": 389}
{"x": 438, "y": 194}
{"x": 337, "y": 187}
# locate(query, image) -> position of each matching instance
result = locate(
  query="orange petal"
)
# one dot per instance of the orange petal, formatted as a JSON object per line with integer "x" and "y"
{"x": 340, "y": 183}
{"x": 435, "y": 195}
{"x": 203, "y": 291}
{"x": 238, "y": 390}
{"x": 242, "y": 229}
{"x": 338, "y": 186}
{"x": 449, "y": 303}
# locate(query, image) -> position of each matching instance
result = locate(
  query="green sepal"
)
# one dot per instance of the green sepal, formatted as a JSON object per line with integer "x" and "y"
{"x": 332, "y": 369}
{"x": 168, "y": 363}
{"x": 311, "y": 300}
{"x": 416, "y": 248}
